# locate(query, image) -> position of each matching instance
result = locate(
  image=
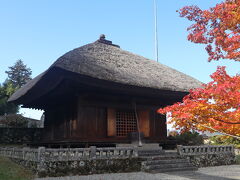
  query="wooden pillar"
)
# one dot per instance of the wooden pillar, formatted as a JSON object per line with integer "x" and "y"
{"x": 111, "y": 118}
{"x": 144, "y": 122}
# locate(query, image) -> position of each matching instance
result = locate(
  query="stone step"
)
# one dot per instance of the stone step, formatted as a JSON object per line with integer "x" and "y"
{"x": 166, "y": 161}
{"x": 168, "y": 166}
{"x": 171, "y": 153}
{"x": 150, "y": 152}
{"x": 161, "y": 157}
{"x": 192, "y": 168}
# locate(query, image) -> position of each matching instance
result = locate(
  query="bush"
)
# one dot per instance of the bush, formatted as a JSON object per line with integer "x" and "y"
{"x": 14, "y": 120}
{"x": 188, "y": 138}
{"x": 237, "y": 159}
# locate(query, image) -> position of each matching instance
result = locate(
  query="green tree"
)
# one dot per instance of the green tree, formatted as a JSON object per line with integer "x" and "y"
{"x": 19, "y": 74}
{"x": 6, "y": 90}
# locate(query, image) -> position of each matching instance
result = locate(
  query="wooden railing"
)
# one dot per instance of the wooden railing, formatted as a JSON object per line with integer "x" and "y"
{"x": 207, "y": 149}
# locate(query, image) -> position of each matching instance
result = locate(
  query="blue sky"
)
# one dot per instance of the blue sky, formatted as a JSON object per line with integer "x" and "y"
{"x": 38, "y": 32}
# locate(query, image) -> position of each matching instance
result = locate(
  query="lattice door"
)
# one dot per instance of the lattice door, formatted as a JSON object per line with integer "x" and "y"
{"x": 125, "y": 122}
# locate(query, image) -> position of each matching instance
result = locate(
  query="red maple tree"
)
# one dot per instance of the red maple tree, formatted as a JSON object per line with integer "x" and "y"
{"x": 215, "y": 106}
{"x": 218, "y": 28}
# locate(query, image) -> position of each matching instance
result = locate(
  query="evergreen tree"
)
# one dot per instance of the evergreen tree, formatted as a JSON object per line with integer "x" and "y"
{"x": 19, "y": 74}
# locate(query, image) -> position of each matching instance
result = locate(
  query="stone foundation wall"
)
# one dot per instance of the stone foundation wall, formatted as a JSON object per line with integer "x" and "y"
{"x": 93, "y": 160}
{"x": 75, "y": 161}
{"x": 212, "y": 160}
{"x": 83, "y": 167}
{"x": 203, "y": 156}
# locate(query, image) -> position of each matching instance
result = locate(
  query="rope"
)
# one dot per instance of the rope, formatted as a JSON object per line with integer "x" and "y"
{"x": 138, "y": 128}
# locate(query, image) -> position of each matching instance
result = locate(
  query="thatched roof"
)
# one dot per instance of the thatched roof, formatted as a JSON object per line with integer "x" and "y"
{"x": 106, "y": 61}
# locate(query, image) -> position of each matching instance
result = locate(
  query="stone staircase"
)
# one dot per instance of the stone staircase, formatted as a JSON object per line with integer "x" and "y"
{"x": 158, "y": 161}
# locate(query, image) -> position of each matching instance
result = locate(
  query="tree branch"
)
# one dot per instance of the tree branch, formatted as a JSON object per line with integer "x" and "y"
{"x": 223, "y": 121}
{"x": 238, "y": 137}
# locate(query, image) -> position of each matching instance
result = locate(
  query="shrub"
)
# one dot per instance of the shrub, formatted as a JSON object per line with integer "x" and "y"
{"x": 189, "y": 138}
{"x": 14, "y": 120}
{"x": 237, "y": 159}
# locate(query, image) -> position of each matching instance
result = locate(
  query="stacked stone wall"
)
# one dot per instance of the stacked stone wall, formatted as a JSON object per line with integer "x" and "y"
{"x": 203, "y": 156}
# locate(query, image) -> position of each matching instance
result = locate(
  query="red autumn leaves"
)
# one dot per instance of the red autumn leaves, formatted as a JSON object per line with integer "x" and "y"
{"x": 215, "y": 106}
{"x": 218, "y": 28}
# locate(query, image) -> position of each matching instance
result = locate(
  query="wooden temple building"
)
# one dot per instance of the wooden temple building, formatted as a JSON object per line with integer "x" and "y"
{"x": 101, "y": 94}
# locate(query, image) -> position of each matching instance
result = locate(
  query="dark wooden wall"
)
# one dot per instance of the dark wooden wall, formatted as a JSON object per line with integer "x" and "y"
{"x": 91, "y": 122}
{"x": 158, "y": 126}
{"x": 74, "y": 121}
{"x": 60, "y": 120}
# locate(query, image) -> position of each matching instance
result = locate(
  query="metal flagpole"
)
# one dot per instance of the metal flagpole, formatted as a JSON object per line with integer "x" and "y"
{"x": 156, "y": 30}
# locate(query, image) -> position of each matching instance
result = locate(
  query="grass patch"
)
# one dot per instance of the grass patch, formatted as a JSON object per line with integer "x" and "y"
{"x": 238, "y": 159}
{"x": 12, "y": 171}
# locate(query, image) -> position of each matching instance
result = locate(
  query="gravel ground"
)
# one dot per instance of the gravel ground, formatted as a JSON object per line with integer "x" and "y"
{"x": 231, "y": 172}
